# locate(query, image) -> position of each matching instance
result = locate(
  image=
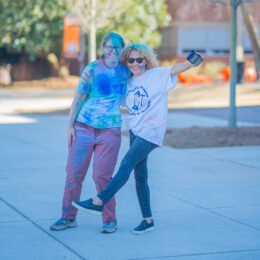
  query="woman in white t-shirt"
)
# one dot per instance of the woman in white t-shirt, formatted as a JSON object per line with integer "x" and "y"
{"x": 147, "y": 105}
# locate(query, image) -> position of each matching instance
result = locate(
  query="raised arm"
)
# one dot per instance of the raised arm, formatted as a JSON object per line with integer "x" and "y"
{"x": 74, "y": 110}
{"x": 181, "y": 67}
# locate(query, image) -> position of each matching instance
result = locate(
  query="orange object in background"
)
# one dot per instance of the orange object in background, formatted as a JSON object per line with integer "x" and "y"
{"x": 203, "y": 79}
{"x": 250, "y": 74}
{"x": 226, "y": 73}
{"x": 193, "y": 79}
{"x": 71, "y": 37}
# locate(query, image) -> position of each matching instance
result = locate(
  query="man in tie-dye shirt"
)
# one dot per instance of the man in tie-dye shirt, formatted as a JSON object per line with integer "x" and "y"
{"x": 104, "y": 88}
{"x": 94, "y": 128}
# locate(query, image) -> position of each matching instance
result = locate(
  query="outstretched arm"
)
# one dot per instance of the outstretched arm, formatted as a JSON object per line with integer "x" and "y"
{"x": 181, "y": 67}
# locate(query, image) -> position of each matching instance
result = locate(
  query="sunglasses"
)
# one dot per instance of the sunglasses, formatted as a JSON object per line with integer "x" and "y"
{"x": 138, "y": 60}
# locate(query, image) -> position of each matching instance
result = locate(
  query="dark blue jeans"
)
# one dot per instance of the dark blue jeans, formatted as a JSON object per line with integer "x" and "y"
{"x": 135, "y": 159}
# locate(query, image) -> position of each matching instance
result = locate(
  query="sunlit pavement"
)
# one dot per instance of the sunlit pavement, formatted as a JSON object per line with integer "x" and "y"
{"x": 205, "y": 201}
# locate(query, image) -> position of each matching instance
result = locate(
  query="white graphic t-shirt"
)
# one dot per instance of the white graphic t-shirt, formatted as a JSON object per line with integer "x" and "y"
{"x": 147, "y": 103}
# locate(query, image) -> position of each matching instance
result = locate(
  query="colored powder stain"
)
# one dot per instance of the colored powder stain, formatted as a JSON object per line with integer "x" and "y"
{"x": 67, "y": 211}
{"x": 93, "y": 64}
{"x": 119, "y": 88}
{"x": 143, "y": 66}
{"x": 104, "y": 84}
{"x": 95, "y": 164}
{"x": 70, "y": 185}
{"x": 114, "y": 118}
{"x": 96, "y": 181}
{"x": 87, "y": 117}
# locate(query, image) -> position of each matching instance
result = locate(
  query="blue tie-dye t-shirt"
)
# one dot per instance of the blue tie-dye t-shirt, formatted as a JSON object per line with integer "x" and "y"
{"x": 105, "y": 88}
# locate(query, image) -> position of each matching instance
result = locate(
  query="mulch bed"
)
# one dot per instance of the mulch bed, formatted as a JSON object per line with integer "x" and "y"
{"x": 212, "y": 137}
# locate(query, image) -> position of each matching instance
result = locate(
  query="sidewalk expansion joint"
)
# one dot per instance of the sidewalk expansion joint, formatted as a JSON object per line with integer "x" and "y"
{"x": 209, "y": 210}
{"x": 237, "y": 163}
{"x": 198, "y": 254}
{"x": 42, "y": 229}
{"x": 225, "y": 160}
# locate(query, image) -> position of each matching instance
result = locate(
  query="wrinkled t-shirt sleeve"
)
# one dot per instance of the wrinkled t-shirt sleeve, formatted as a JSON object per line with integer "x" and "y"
{"x": 86, "y": 81}
{"x": 170, "y": 81}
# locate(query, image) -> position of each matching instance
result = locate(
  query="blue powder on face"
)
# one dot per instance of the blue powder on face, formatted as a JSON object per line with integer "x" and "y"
{"x": 104, "y": 84}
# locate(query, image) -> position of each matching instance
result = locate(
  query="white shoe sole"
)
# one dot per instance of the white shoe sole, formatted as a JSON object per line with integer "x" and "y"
{"x": 144, "y": 231}
{"x": 55, "y": 229}
{"x": 107, "y": 231}
{"x": 90, "y": 211}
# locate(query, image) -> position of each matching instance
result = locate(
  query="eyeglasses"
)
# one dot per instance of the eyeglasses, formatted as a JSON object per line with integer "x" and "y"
{"x": 138, "y": 60}
{"x": 110, "y": 48}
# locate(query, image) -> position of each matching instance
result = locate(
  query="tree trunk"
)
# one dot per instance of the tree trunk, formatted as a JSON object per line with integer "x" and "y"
{"x": 251, "y": 29}
{"x": 92, "y": 36}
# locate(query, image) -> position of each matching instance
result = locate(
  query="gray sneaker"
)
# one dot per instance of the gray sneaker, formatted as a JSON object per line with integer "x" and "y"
{"x": 109, "y": 227}
{"x": 62, "y": 224}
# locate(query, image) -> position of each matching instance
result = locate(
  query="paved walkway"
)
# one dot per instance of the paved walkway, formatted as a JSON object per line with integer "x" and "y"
{"x": 205, "y": 202}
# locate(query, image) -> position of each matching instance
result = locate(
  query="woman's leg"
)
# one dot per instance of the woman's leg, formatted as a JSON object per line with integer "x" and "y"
{"x": 77, "y": 165}
{"x": 142, "y": 188}
{"x": 141, "y": 184}
{"x": 105, "y": 157}
{"x": 137, "y": 152}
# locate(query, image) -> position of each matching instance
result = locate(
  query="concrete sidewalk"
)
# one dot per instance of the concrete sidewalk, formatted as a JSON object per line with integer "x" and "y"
{"x": 205, "y": 201}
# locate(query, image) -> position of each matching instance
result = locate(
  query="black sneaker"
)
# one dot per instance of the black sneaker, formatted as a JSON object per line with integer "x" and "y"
{"x": 88, "y": 206}
{"x": 143, "y": 228}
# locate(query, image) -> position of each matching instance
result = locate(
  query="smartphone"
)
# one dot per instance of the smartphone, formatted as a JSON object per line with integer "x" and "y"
{"x": 194, "y": 58}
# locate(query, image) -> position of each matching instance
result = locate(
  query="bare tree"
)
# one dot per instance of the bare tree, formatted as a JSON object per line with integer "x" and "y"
{"x": 251, "y": 29}
{"x": 95, "y": 14}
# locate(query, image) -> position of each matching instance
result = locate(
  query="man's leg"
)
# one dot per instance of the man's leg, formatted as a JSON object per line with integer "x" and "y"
{"x": 77, "y": 165}
{"x": 104, "y": 162}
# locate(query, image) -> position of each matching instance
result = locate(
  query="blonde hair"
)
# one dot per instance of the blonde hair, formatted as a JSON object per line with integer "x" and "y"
{"x": 146, "y": 51}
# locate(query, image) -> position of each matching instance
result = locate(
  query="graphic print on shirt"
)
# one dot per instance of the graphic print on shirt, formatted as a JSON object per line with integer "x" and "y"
{"x": 138, "y": 101}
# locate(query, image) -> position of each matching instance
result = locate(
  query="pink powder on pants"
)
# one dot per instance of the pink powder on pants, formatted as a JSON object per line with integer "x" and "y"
{"x": 104, "y": 144}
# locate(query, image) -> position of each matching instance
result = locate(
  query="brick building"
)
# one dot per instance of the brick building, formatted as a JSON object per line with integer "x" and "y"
{"x": 204, "y": 26}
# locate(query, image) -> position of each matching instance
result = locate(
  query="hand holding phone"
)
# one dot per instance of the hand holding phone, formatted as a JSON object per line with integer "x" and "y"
{"x": 195, "y": 58}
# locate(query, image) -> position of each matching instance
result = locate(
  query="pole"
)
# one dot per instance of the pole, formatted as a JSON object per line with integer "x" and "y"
{"x": 233, "y": 63}
{"x": 240, "y": 49}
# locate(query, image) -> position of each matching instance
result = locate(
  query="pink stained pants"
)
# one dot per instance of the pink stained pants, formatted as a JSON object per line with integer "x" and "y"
{"x": 105, "y": 144}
